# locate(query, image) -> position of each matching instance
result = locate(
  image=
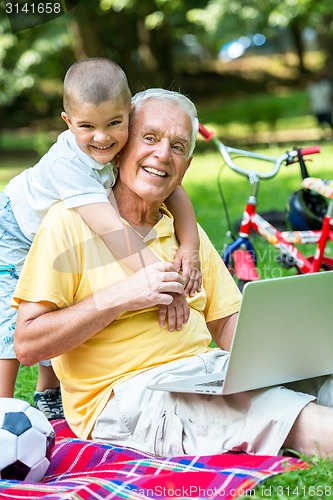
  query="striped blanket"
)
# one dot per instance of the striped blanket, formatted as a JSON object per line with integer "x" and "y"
{"x": 85, "y": 470}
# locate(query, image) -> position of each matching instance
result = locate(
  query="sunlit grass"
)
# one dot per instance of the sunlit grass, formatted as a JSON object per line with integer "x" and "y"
{"x": 26, "y": 383}
{"x": 306, "y": 484}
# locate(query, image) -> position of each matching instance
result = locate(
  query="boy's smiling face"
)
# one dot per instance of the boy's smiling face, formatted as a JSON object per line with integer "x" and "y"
{"x": 100, "y": 131}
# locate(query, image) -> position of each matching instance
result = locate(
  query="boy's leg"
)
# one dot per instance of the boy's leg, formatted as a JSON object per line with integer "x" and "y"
{"x": 13, "y": 249}
{"x": 47, "y": 379}
{"x": 8, "y": 373}
{"x": 47, "y": 397}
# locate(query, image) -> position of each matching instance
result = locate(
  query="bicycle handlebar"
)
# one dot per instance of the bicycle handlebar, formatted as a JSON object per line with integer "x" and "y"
{"x": 288, "y": 157}
{"x": 310, "y": 150}
{"x": 206, "y": 134}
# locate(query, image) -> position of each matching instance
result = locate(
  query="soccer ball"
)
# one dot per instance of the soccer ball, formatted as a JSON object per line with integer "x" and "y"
{"x": 26, "y": 441}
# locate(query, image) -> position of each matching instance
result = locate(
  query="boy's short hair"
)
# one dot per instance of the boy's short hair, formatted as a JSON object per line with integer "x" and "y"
{"x": 94, "y": 81}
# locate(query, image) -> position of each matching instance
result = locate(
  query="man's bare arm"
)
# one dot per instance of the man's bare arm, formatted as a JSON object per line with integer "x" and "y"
{"x": 222, "y": 330}
{"x": 43, "y": 331}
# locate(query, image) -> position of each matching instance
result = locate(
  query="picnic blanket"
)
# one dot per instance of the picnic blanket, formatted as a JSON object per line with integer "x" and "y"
{"x": 86, "y": 470}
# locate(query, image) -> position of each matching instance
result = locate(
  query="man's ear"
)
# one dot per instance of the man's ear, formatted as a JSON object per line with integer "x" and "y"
{"x": 188, "y": 163}
{"x": 66, "y": 118}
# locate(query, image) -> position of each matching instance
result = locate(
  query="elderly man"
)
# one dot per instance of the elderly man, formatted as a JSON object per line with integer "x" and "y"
{"x": 99, "y": 322}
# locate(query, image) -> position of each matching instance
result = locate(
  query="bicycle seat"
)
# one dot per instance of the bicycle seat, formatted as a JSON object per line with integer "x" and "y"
{"x": 322, "y": 186}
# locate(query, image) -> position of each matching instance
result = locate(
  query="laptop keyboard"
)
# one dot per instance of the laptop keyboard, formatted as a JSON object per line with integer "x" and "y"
{"x": 214, "y": 383}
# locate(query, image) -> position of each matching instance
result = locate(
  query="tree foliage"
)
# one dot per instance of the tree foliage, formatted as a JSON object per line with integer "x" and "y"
{"x": 146, "y": 37}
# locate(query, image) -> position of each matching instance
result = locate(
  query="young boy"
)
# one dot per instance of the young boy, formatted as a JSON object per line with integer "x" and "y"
{"x": 78, "y": 170}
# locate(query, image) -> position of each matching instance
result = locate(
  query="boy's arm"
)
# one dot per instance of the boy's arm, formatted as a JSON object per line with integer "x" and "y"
{"x": 187, "y": 257}
{"x": 126, "y": 245}
{"x": 121, "y": 239}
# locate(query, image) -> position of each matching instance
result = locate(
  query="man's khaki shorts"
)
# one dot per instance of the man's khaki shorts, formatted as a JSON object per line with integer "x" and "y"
{"x": 169, "y": 424}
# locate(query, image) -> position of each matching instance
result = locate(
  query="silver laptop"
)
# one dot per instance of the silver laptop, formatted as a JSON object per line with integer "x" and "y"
{"x": 284, "y": 333}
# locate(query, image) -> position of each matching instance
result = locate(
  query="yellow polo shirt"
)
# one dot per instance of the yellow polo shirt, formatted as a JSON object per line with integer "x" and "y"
{"x": 68, "y": 262}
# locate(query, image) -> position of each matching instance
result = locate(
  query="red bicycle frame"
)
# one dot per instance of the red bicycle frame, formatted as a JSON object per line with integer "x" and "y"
{"x": 284, "y": 241}
{"x": 242, "y": 251}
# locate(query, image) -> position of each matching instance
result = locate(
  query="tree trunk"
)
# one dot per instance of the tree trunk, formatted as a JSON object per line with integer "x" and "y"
{"x": 86, "y": 27}
{"x": 296, "y": 33}
{"x": 326, "y": 42}
{"x": 145, "y": 55}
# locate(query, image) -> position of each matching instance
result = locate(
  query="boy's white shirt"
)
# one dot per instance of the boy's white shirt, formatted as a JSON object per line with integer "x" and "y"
{"x": 65, "y": 173}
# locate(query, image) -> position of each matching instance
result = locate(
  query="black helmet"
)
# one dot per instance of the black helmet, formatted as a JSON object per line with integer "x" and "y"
{"x": 306, "y": 210}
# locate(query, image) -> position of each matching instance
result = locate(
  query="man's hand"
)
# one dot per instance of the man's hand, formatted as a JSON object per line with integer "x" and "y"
{"x": 156, "y": 284}
{"x": 177, "y": 313}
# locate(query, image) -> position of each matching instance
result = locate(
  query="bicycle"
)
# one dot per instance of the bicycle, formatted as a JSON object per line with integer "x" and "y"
{"x": 240, "y": 255}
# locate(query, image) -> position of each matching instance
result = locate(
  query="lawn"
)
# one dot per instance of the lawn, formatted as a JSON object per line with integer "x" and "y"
{"x": 202, "y": 183}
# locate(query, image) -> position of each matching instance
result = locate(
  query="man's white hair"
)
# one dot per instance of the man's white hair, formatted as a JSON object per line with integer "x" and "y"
{"x": 169, "y": 95}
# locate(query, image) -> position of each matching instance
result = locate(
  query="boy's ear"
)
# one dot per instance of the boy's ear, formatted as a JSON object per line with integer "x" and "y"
{"x": 66, "y": 118}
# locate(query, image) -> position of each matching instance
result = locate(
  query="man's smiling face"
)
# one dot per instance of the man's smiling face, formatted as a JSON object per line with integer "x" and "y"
{"x": 156, "y": 156}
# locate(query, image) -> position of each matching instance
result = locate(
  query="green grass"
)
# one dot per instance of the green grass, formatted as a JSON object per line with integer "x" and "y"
{"x": 240, "y": 116}
{"x": 26, "y": 383}
{"x": 305, "y": 484}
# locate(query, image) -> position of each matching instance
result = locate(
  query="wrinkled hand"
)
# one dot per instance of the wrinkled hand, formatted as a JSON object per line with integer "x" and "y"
{"x": 177, "y": 313}
{"x": 187, "y": 261}
{"x": 156, "y": 284}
